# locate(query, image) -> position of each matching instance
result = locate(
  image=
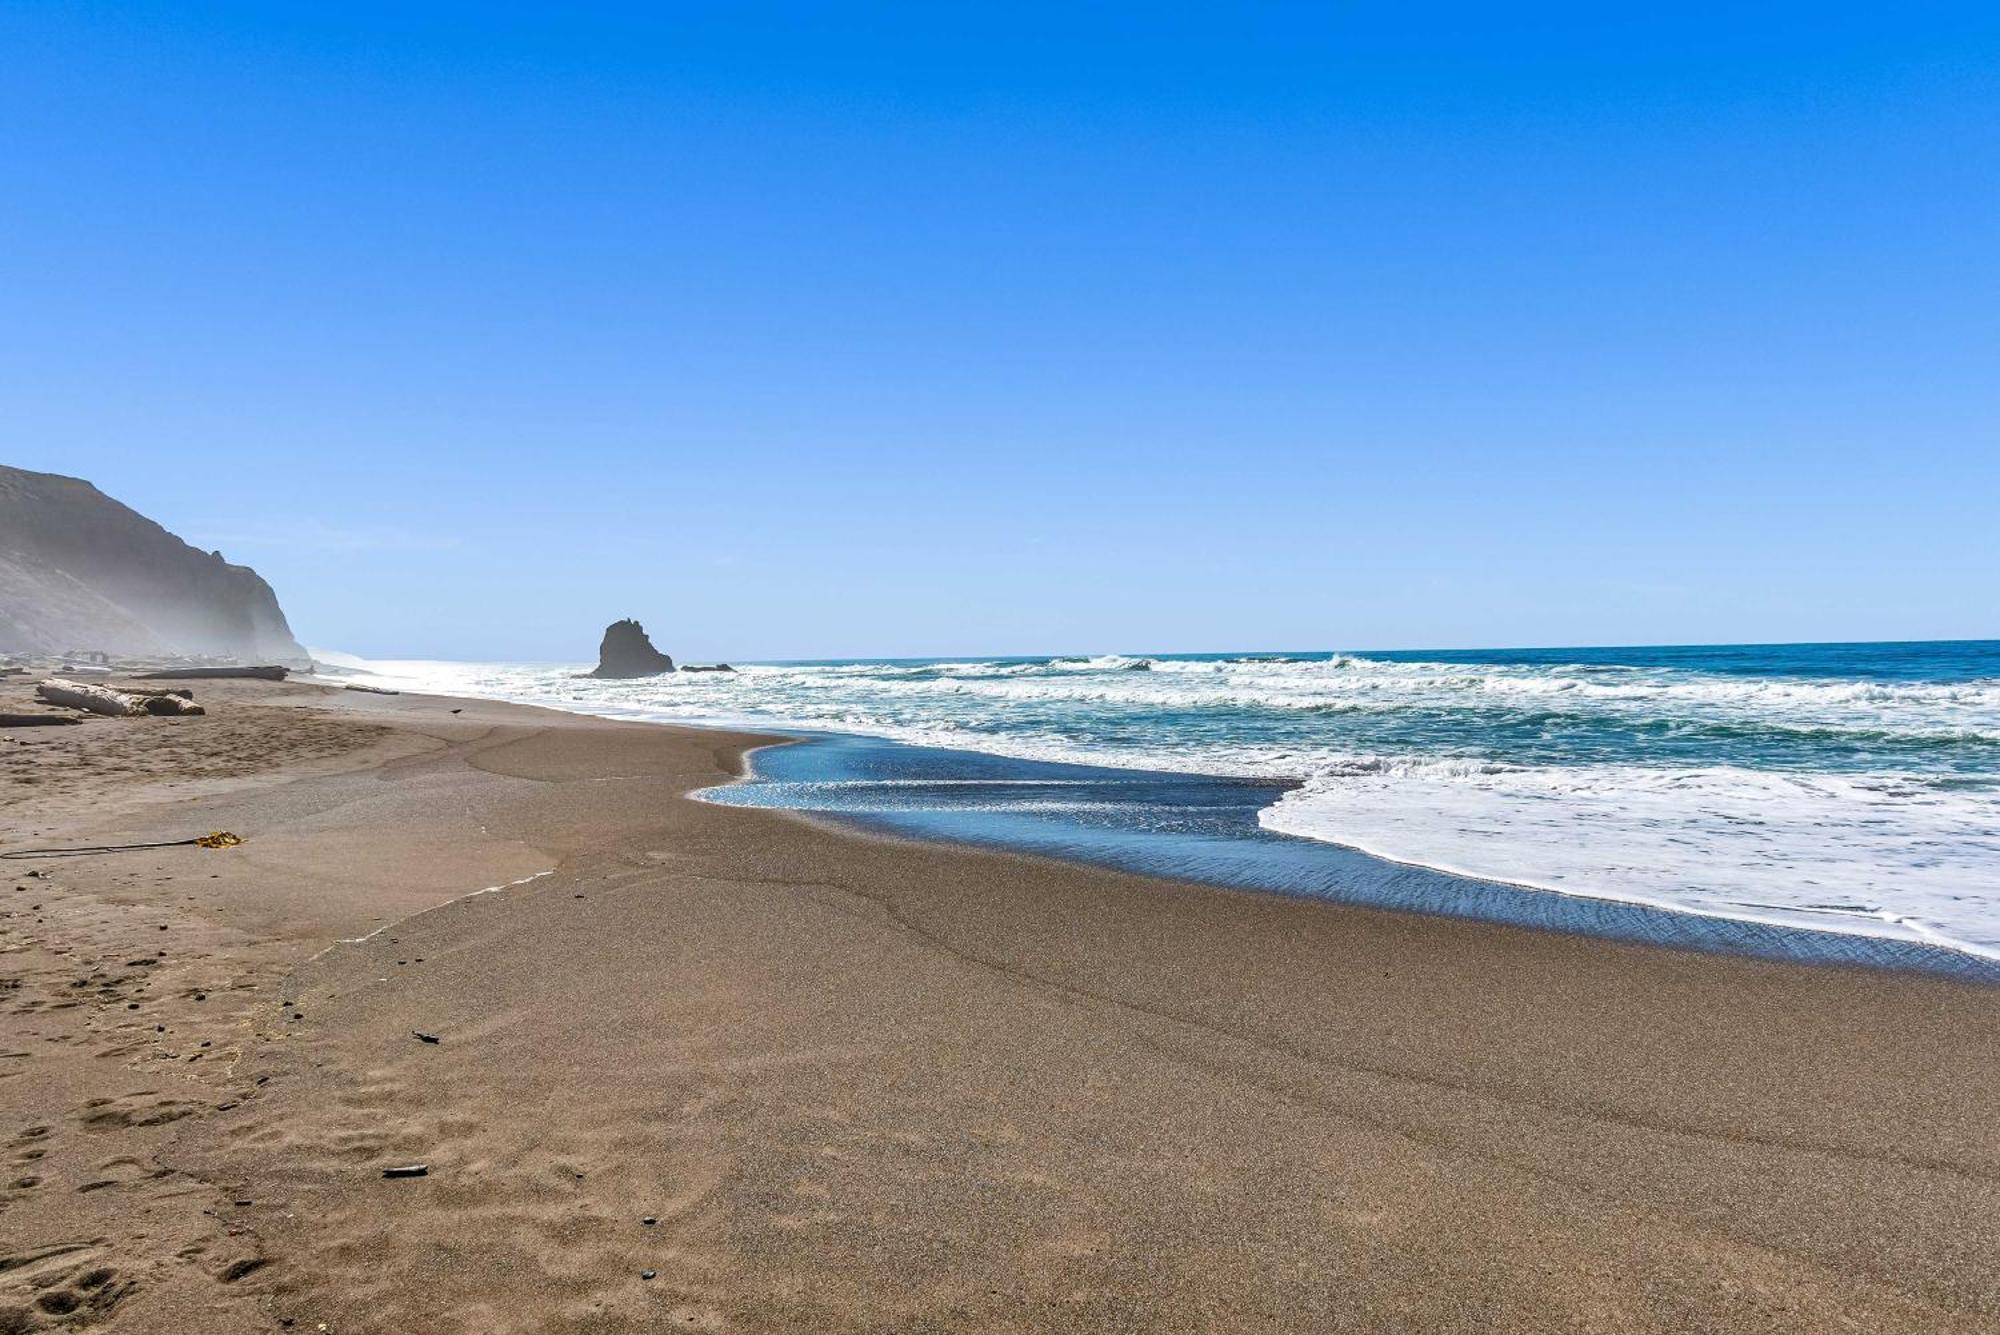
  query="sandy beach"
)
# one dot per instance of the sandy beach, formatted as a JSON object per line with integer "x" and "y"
{"x": 709, "y": 1068}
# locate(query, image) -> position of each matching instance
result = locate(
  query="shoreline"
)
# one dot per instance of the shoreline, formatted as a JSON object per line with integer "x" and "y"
{"x": 1365, "y": 878}
{"x": 861, "y": 1084}
{"x": 1888, "y": 924}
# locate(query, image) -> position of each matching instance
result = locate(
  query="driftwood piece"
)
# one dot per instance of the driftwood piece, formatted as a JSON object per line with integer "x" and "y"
{"x": 372, "y": 690}
{"x": 36, "y": 720}
{"x": 156, "y": 700}
{"x": 268, "y": 673}
{"x": 95, "y": 699}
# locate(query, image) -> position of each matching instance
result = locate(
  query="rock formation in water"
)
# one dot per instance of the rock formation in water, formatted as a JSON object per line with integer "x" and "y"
{"x": 80, "y": 573}
{"x": 626, "y": 652}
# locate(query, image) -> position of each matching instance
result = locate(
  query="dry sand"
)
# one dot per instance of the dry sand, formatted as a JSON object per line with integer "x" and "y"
{"x": 867, "y": 1085}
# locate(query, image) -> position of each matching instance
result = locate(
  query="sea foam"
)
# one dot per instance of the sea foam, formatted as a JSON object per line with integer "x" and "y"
{"x": 1851, "y": 788}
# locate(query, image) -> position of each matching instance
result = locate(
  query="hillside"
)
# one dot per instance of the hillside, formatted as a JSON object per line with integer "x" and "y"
{"x": 81, "y": 572}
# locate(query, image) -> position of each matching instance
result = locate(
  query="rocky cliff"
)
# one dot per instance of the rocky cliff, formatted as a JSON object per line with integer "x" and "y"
{"x": 79, "y": 572}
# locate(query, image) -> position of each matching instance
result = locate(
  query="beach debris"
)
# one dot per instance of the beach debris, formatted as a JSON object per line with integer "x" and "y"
{"x": 423, "y": 1037}
{"x": 36, "y": 720}
{"x": 104, "y": 700}
{"x": 371, "y": 690}
{"x": 213, "y": 839}
{"x": 163, "y": 702}
{"x": 408, "y": 1170}
{"x": 647, "y": 1274}
{"x": 650, "y": 1220}
{"x": 89, "y": 697}
{"x": 267, "y": 672}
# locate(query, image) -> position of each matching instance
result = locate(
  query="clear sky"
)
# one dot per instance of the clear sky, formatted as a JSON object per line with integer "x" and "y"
{"x": 817, "y": 330}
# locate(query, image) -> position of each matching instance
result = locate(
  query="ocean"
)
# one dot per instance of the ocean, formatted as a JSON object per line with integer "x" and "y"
{"x": 1851, "y": 789}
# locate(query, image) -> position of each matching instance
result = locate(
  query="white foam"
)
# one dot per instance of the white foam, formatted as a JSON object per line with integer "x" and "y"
{"x": 455, "y": 899}
{"x": 1887, "y": 853}
{"x": 1875, "y": 855}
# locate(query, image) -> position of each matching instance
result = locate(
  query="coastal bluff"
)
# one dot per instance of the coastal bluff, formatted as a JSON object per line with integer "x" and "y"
{"x": 79, "y": 572}
{"x": 626, "y": 651}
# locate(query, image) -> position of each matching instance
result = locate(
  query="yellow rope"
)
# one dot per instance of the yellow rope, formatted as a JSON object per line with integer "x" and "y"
{"x": 213, "y": 839}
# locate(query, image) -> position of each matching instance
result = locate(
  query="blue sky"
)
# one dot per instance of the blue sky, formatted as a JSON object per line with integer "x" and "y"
{"x": 816, "y": 330}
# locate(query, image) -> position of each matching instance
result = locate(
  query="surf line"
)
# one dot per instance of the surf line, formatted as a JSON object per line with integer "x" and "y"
{"x": 455, "y": 899}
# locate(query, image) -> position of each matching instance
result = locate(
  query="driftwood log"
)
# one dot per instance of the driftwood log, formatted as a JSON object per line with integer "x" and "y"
{"x": 36, "y": 720}
{"x": 161, "y": 700}
{"x": 267, "y": 673}
{"x": 114, "y": 704}
{"x": 86, "y": 696}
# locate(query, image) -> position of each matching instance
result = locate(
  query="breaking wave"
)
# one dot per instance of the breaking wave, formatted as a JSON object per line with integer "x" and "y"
{"x": 1851, "y": 787}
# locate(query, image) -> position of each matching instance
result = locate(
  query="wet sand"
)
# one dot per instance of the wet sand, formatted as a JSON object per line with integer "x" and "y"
{"x": 859, "y": 1084}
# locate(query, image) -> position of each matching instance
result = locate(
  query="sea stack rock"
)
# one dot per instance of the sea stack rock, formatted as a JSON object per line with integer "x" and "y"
{"x": 626, "y": 652}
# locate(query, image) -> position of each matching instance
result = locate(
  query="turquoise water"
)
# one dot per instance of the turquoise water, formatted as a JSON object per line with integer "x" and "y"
{"x": 1852, "y": 788}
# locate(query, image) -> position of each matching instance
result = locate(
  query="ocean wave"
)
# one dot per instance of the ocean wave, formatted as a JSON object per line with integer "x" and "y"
{"x": 1947, "y": 717}
{"x": 1871, "y": 803}
{"x": 1882, "y": 854}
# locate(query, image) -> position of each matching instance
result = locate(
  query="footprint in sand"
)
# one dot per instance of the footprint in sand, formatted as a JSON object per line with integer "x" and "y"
{"x": 69, "y": 1283}
{"x": 147, "y": 1107}
{"x": 119, "y": 1171}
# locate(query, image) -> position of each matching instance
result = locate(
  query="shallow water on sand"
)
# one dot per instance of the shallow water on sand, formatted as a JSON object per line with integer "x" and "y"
{"x": 1844, "y": 788}
{"x": 1205, "y": 828}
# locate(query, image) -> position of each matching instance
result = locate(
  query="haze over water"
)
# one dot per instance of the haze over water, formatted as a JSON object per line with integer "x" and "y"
{"x": 1845, "y": 787}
